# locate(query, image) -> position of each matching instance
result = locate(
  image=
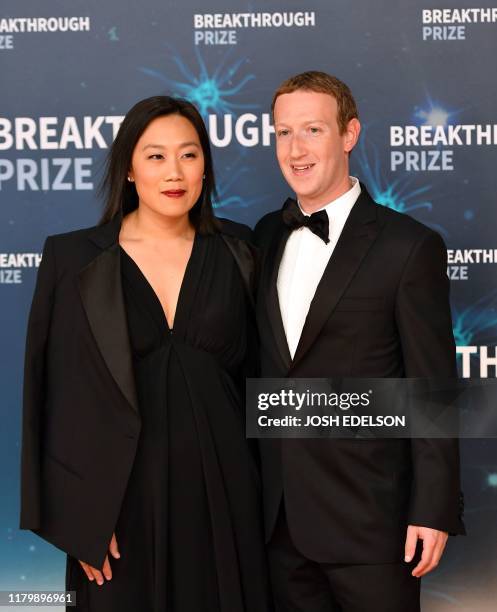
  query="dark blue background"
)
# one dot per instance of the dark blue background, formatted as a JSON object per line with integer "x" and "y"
{"x": 134, "y": 50}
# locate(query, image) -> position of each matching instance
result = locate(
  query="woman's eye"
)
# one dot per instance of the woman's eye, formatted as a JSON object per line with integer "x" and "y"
{"x": 190, "y": 155}
{"x": 156, "y": 156}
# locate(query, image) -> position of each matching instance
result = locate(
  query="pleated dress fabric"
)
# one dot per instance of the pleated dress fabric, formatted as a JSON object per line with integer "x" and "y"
{"x": 190, "y": 527}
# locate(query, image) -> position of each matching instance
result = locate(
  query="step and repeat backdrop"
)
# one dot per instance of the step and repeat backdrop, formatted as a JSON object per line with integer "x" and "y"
{"x": 425, "y": 82}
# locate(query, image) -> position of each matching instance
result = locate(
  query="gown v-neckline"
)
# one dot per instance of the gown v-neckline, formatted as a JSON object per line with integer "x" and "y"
{"x": 184, "y": 281}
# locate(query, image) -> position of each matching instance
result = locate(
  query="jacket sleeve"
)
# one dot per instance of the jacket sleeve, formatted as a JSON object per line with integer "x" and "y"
{"x": 425, "y": 326}
{"x": 34, "y": 389}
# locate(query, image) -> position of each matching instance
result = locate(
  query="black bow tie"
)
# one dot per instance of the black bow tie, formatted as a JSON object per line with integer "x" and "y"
{"x": 318, "y": 222}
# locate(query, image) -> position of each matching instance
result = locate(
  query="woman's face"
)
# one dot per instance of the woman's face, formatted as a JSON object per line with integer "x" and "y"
{"x": 167, "y": 166}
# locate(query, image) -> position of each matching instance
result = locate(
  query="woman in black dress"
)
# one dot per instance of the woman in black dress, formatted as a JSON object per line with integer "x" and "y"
{"x": 188, "y": 535}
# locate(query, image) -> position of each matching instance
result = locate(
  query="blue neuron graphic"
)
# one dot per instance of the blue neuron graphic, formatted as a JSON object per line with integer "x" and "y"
{"x": 475, "y": 320}
{"x": 436, "y": 593}
{"x": 434, "y": 114}
{"x": 492, "y": 480}
{"x": 396, "y": 194}
{"x": 213, "y": 92}
{"x": 112, "y": 33}
{"x": 399, "y": 193}
{"x": 225, "y": 198}
{"x": 485, "y": 475}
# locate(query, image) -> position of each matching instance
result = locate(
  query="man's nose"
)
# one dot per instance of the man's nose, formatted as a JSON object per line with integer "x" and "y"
{"x": 297, "y": 148}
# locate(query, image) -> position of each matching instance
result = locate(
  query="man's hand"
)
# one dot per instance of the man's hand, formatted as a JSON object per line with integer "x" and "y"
{"x": 434, "y": 542}
{"x": 93, "y": 573}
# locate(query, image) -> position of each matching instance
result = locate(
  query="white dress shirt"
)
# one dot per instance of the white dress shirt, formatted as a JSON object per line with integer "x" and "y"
{"x": 304, "y": 260}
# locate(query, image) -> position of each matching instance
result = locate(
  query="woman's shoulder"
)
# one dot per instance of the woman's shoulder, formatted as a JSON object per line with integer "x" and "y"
{"x": 102, "y": 235}
{"x": 72, "y": 236}
{"x": 235, "y": 229}
{"x": 71, "y": 251}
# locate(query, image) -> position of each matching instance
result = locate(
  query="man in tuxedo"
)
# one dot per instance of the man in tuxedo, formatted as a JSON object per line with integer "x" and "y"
{"x": 350, "y": 289}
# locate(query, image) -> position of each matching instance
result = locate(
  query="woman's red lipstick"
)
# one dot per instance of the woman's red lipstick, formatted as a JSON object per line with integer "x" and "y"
{"x": 174, "y": 193}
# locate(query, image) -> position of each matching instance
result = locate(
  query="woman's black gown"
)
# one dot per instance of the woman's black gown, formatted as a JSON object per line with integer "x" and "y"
{"x": 189, "y": 532}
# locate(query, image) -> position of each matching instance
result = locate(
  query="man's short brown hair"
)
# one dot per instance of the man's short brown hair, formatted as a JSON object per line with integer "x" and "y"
{"x": 322, "y": 83}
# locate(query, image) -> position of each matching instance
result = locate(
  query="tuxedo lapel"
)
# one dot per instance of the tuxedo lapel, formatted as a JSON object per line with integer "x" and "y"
{"x": 273, "y": 261}
{"x": 358, "y": 235}
{"x": 101, "y": 293}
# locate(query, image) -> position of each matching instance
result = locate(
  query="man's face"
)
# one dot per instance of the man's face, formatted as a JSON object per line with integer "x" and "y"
{"x": 312, "y": 153}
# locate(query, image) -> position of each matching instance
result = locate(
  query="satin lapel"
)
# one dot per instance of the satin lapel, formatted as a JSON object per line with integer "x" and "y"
{"x": 101, "y": 293}
{"x": 275, "y": 253}
{"x": 245, "y": 257}
{"x": 357, "y": 237}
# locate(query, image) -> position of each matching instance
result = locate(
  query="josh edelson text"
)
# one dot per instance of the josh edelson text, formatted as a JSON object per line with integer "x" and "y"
{"x": 307, "y": 402}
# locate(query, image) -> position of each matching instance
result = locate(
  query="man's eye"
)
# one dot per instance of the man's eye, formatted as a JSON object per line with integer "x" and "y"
{"x": 314, "y": 130}
{"x": 282, "y": 132}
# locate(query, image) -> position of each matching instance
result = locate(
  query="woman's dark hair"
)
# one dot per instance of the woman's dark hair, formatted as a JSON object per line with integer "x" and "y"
{"x": 120, "y": 195}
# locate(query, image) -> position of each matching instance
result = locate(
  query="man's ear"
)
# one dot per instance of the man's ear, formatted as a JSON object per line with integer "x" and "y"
{"x": 351, "y": 135}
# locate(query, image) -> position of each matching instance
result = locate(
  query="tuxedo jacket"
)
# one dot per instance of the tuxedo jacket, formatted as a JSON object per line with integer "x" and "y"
{"x": 381, "y": 309}
{"x": 81, "y": 420}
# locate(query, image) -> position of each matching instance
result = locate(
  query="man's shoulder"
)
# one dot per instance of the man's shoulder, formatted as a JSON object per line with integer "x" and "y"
{"x": 235, "y": 229}
{"x": 402, "y": 226}
{"x": 266, "y": 226}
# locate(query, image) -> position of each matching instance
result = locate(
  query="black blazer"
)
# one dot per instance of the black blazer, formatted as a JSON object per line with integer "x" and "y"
{"x": 81, "y": 420}
{"x": 381, "y": 310}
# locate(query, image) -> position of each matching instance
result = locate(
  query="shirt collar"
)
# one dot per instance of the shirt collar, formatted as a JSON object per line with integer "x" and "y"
{"x": 339, "y": 209}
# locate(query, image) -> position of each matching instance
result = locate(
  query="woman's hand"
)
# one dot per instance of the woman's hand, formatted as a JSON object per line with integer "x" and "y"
{"x": 93, "y": 573}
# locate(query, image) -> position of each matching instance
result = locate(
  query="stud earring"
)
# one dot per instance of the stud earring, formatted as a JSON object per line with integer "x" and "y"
{"x": 130, "y": 179}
